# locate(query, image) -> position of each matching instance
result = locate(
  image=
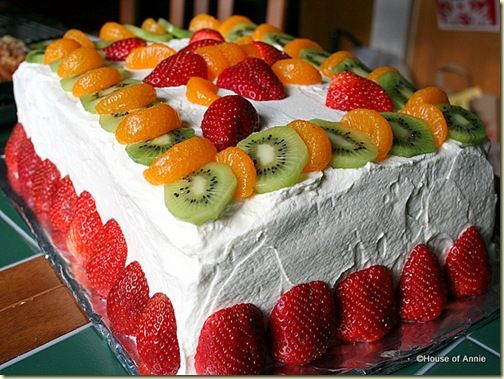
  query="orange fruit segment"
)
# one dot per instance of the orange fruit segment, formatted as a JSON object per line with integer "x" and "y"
{"x": 215, "y": 60}
{"x": 59, "y": 48}
{"x": 127, "y": 98}
{"x": 377, "y": 72}
{"x": 201, "y": 91}
{"x": 113, "y": 31}
{"x": 146, "y": 124}
{"x": 294, "y": 47}
{"x": 251, "y": 50}
{"x": 428, "y": 95}
{"x": 433, "y": 117}
{"x": 148, "y": 56}
{"x": 262, "y": 29}
{"x": 79, "y": 61}
{"x": 180, "y": 160}
{"x": 96, "y": 80}
{"x": 334, "y": 60}
{"x": 153, "y": 26}
{"x": 232, "y": 52}
{"x": 243, "y": 168}
{"x": 204, "y": 21}
{"x": 318, "y": 144}
{"x": 244, "y": 40}
{"x": 375, "y": 126}
{"x": 296, "y": 71}
{"x": 79, "y": 36}
{"x": 231, "y": 22}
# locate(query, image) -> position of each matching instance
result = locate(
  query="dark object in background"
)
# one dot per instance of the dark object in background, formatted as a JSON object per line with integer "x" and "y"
{"x": 7, "y": 105}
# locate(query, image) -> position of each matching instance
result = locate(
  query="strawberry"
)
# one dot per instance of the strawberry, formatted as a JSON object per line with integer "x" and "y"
{"x": 108, "y": 258}
{"x": 268, "y": 53}
{"x": 467, "y": 268}
{"x": 232, "y": 342}
{"x": 61, "y": 212}
{"x": 17, "y": 137}
{"x": 252, "y": 78}
{"x": 119, "y": 50}
{"x": 157, "y": 337}
{"x": 301, "y": 323}
{"x": 127, "y": 299}
{"x": 422, "y": 292}
{"x": 348, "y": 91}
{"x": 200, "y": 43}
{"x": 27, "y": 162}
{"x": 177, "y": 70}
{"x": 84, "y": 228}
{"x": 365, "y": 305}
{"x": 46, "y": 180}
{"x": 228, "y": 120}
{"x": 203, "y": 34}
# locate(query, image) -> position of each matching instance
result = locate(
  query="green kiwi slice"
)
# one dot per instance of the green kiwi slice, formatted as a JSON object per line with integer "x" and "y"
{"x": 202, "y": 195}
{"x": 90, "y": 101}
{"x": 240, "y": 30}
{"x": 54, "y": 65}
{"x": 145, "y": 152}
{"x": 397, "y": 87}
{"x": 68, "y": 83}
{"x": 148, "y": 36}
{"x": 463, "y": 125}
{"x": 177, "y": 32}
{"x": 110, "y": 122}
{"x": 101, "y": 44}
{"x": 412, "y": 136}
{"x": 351, "y": 148}
{"x": 353, "y": 65}
{"x": 277, "y": 39}
{"x": 314, "y": 56}
{"x": 279, "y": 156}
{"x": 35, "y": 56}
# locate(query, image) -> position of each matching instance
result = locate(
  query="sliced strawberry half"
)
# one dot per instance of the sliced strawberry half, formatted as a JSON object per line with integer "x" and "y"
{"x": 177, "y": 70}
{"x": 127, "y": 299}
{"x": 268, "y": 53}
{"x": 349, "y": 91}
{"x": 200, "y": 43}
{"x": 365, "y": 305}
{"x": 108, "y": 258}
{"x": 252, "y": 78}
{"x": 46, "y": 180}
{"x": 62, "y": 210}
{"x": 422, "y": 292}
{"x": 119, "y": 50}
{"x": 13, "y": 146}
{"x": 157, "y": 337}
{"x": 27, "y": 162}
{"x": 467, "y": 267}
{"x": 301, "y": 323}
{"x": 232, "y": 342}
{"x": 203, "y": 34}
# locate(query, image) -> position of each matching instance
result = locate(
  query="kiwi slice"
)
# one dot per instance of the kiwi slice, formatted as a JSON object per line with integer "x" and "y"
{"x": 68, "y": 83}
{"x": 277, "y": 39}
{"x": 145, "y": 152}
{"x": 398, "y": 88}
{"x": 177, "y": 32}
{"x": 314, "y": 56}
{"x": 240, "y": 30}
{"x": 90, "y": 101}
{"x": 463, "y": 125}
{"x": 353, "y": 65}
{"x": 101, "y": 44}
{"x": 148, "y": 36}
{"x": 412, "y": 136}
{"x": 35, "y": 56}
{"x": 351, "y": 148}
{"x": 279, "y": 156}
{"x": 202, "y": 195}
{"x": 54, "y": 65}
{"x": 110, "y": 122}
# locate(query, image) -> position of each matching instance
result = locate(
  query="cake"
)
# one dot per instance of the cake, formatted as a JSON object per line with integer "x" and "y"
{"x": 327, "y": 225}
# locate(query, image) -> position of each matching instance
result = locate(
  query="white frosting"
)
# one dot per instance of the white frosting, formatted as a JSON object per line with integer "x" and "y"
{"x": 328, "y": 224}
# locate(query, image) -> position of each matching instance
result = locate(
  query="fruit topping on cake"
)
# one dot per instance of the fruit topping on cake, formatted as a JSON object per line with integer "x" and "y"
{"x": 433, "y": 117}
{"x": 201, "y": 91}
{"x": 79, "y": 61}
{"x": 148, "y": 56}
{"x": 262, "y": 29}
{"x": 296, "y": 71}
{"x": 62, "y": 211}
{"x": 90, "y": 101}
{"x": 428, "y": 95}
{"x": 215, "y": 59}
{"x": 235, "y": 23}
{"x": 398, "y": 88}
{"x": 293, "y": 48}
{"x": 343, "y": 61}
{"x": 79, "y": 36}
{"x": 198, "y": 44}
{"x": 317, "y": 142}
{"x": 152, "y": 26}
{"x": 147, "y": 35}
{"x": 112, "y": 31}
{"x": 243, "y": 169}
{"x": 59, "y": 49}
{"x": 177, "y": 70}
{"x": 27, "y": 162}
{"x": 127, "y": 98}
{"x": 46, "y": 179}
{"x": 119, "y": 50}
{"x": 206, "y": 33}
{"x": 204, "y": 21}
{"x": 96, "y": 80}
{"x": 267, "y": 53}
{"x": 463, "y": 125}
{"x": 12, "y": 150}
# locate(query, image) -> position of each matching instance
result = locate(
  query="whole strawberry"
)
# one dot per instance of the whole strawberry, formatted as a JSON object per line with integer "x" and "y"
{"x": 467, "y": 268}
{"x": 228, "y": 120}
{"x": 301, "y": 323}
{"x": 203, "y": 34}
{"x": 157, "y": 337}
{"x": 177, "y": 70}
{"x": 268, "y": 53}
{"x": 232, "y": 342}
{"x": 46, "y": 180}
{"x": 252, "y": 78}
{"x": 349, "y": 91}
{"x": 108, "y": 258}
{"x": 127, "y": 299}
{"x": 119, "y": 50}
{"x": 422, "y": 292}
{"x": 365, "y": 305}
{"x": 62, "y": 210}
{"x": 200, "y": 43}
{"x": 27, "y": 161}
{"x": 12, "y": 148}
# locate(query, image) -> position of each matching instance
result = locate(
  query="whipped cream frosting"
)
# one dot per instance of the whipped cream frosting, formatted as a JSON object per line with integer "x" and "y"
{"x": 329, "y": 224}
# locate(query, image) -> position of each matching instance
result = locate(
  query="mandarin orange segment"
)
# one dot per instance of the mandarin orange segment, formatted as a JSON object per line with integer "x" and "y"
{"x": 180, "y": 160}
{"x": 262, "y": 29}
{"x": 233, "y": 53}
{"x": 377, "y": 72}
{"x": 79, "y": 36}
{"x": 204, "y": 21}
{"x": 153, "y": 26}
{"x": 433, "y": 117}
{"x": 318, "y": 144}
{"x": 148, "y": 56}
{"x": 59, "y": 48}
{"x": 79, "y": 61}
{"x": 243, "y": 168}
{"x": 334, "y": 60}
{"x": 96, "y": 80}
{"x": 127, "y": 98}
{"x": 244, "y": 40}
{"x": 296, "y": 71}
{"x": 251, "y": 50}
{"x": 146, "y": 124}
{"x": 231, "y": 22}
{"x": 294, "y": 47}
{"x": 375, "y": 126}
{"x": 113, "y": 31}
{"x": 428, "y": 95}
{"x": 201, "y": 91}
{"x": 215, "y": 60}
